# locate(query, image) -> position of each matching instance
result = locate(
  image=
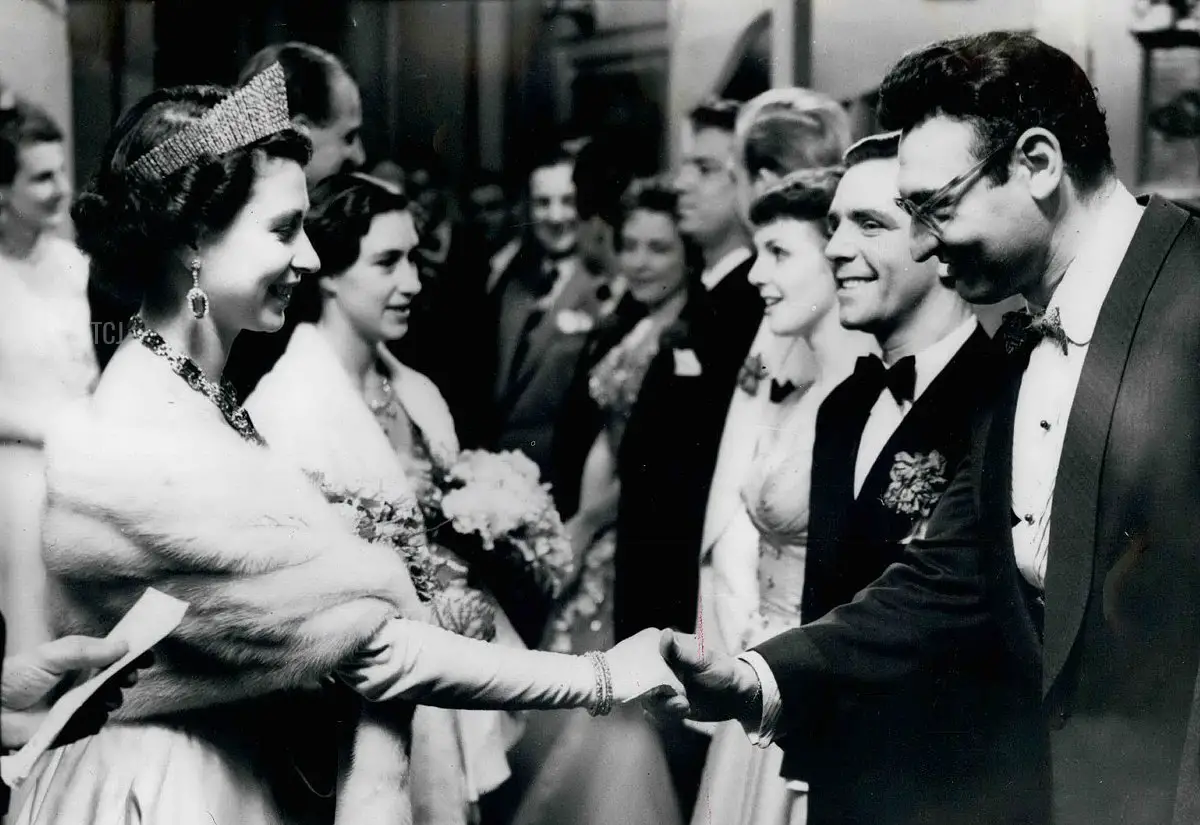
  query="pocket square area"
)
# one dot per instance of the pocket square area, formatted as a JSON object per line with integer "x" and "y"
{"x": 686, "y": 363}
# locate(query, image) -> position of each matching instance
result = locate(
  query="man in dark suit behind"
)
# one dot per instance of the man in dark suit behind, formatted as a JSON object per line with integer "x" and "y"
{"x": 1066, "y": 545}
{"x": 875, "y": 754}
{"x": 670, "y": 446}
{"x": 669, "y": 450}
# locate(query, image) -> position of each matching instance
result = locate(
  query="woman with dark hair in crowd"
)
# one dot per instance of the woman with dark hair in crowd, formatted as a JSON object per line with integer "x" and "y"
{"x": 45, "y": 350}
{"x": 338, "y": 403}
{"x": 161, "y": 480}
{"x": 584, "y": 760}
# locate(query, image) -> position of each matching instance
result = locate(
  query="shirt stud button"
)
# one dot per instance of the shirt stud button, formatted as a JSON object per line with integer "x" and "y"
{"x": 1029, "y": 518}
{"x": 1044, "y": 424}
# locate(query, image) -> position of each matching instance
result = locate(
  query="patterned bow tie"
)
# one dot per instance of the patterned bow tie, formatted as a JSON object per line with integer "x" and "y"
{"x": 752, "y": 373}
{"x": 1022, "y": 331}
{"x": 900, "y": 378}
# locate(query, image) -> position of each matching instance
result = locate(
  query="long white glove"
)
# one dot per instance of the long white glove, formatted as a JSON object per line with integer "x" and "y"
{"x": 417, "y": 662}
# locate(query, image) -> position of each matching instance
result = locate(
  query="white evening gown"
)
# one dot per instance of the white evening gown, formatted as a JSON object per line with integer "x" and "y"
{"x": 46, "y": 360}
{"x": 741, "y": 784}
{"x": 308, "y": 410}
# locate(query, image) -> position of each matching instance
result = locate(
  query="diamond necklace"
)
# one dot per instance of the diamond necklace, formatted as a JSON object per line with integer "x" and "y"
{"x": 223, "y": 396}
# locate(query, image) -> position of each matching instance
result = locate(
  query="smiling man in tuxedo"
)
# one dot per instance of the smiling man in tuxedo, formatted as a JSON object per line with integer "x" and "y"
{"x": 876, "y": 756}
{"x": 1065, "y": 547}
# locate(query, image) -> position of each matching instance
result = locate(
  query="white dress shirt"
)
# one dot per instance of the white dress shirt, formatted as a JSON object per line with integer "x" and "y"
{"x": 1043, "y": 405}
{"x": 728, "y": 262}
{"x": 886, "y": 415}
{"x": 1049, "y": 383}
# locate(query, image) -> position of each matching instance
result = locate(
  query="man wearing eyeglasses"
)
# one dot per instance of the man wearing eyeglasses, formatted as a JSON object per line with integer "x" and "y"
{"x": 1067, "y": 543}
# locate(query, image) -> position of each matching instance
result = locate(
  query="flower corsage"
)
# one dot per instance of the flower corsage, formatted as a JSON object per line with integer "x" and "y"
{"x": 917, "y": 481}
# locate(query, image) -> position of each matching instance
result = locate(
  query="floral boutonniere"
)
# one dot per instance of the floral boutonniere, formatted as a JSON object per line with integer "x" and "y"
{"x": 917, "y": 481}
{"x": 574, "y": 322}
{"x": 752, "y": 373}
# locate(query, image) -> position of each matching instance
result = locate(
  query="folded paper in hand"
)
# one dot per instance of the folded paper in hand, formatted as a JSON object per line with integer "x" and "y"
{"x": 146, "y": 624}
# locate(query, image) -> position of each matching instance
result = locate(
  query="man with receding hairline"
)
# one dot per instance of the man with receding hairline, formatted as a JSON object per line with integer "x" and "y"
{"x": 324, "y": 101}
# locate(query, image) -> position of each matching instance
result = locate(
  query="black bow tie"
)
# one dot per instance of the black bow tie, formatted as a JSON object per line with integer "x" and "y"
{"x": 780, "y": 391}
{"x": 900, "y": 378}
{"x": 1022, "y": 331}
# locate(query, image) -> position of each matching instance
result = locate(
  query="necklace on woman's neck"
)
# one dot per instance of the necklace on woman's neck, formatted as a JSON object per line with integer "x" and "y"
{"x": 223, "y": 395}
{"x": 384, "y": 406}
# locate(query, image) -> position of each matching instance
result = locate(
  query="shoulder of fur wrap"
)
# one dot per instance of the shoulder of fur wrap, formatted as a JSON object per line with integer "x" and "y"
{"x": 280, "y": 590}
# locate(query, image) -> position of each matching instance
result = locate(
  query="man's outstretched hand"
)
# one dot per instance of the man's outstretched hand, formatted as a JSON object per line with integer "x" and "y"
{"x": 30, "y": 678}
{"x": 716, "y": 689}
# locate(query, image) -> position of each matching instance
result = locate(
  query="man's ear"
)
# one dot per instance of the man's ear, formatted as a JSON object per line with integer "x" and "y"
{"x": 1039, "y": 153}
{"x": 304, "y": 123}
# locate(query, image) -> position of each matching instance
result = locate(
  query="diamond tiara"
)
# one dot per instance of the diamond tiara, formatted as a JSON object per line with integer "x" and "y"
{"x": 258, "y": 109}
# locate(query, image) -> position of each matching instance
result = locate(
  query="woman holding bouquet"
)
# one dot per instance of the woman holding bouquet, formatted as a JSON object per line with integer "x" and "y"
{"x": 339, "y": 404}
{"x": 589, "y": 758}
{"x": 161, "y": 480}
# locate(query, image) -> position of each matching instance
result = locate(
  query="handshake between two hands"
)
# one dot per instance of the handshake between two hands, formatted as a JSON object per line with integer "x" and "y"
{"x": 675, "y": 678}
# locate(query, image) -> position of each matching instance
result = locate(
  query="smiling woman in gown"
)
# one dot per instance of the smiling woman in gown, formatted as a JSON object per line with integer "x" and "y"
{"x": 340, "y": 404}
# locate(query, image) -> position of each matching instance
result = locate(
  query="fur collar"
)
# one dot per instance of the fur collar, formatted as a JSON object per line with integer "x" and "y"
{"x": 279, "y": 588}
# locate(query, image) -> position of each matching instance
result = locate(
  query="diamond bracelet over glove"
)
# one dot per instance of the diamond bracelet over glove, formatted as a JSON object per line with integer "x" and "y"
{"x": 603, "y": 703}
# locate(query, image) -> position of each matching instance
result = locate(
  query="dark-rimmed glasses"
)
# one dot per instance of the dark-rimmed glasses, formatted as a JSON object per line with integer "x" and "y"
{"x": 952, "y": 192}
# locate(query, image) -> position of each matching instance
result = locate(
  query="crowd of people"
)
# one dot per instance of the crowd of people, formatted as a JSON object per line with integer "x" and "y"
{"x": 803, "y": 475}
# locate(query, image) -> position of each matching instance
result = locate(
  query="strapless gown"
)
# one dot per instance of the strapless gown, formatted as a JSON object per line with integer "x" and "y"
{"x": 741, "y": 784}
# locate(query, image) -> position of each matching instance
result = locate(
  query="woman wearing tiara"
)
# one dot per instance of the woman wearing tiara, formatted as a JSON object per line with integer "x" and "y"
{"x": 338, "y": 403}
{"x": 741, "y": 784}
{"x": 45, "y": 348}
{"x": 162, "y": 480}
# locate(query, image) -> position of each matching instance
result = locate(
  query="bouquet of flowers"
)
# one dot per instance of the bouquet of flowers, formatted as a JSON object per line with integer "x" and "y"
{"x": 396, "y": 524}
{"x": 492, "y": 507}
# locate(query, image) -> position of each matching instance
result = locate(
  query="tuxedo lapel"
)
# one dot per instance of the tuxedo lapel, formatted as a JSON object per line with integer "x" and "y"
{"x": 1077, "y": 485}
{"x": 838, "y": 433}
{"x": 514, "y": 301}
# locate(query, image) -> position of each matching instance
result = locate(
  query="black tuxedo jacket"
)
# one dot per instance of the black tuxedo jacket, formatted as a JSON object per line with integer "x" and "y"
{"x": 1099, "y": 721}
{"x": 580, "y": 421}
{"x": 873, "y": 756}
{"x": 668, "y": 456}
{"x": 853, "y": 539}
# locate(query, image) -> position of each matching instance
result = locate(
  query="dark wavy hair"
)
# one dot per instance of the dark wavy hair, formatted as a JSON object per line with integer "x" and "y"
{"x": 803, "y": 195}
{"x": 23, "y": 124}
{"x": 342, "y": 208}
{"x": 310, "y": 73}
{"x": 131, "y": 227}
{"x": 1002, "y": 83}
{"x": 658, "y": 195}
